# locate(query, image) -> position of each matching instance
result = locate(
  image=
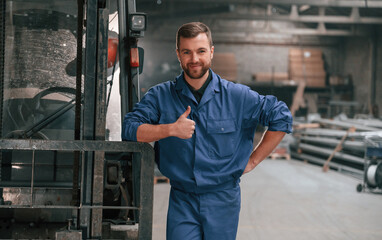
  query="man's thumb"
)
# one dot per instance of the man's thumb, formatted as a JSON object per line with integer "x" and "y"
{"x": 187, "y": 112}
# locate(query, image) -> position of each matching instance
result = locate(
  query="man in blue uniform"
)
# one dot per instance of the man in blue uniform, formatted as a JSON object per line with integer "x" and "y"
{"x": 203, "y": 127}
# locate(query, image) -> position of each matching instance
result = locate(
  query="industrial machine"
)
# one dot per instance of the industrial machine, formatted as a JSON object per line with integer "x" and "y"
{"x": 372, "y": 179}
{"x": 59, "y": 176}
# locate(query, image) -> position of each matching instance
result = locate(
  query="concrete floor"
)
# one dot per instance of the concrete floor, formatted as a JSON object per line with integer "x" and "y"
{"x": 293, "y": 200}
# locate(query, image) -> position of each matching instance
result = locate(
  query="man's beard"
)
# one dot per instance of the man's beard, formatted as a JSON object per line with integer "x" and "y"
{"x": 197, "y": 74}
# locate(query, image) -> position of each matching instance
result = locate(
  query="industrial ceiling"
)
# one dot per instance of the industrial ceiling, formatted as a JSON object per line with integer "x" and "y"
{"x": 236, "y": 19}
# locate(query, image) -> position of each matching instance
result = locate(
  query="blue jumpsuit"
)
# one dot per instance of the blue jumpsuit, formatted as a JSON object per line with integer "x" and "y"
{"x": 205, "y": 170}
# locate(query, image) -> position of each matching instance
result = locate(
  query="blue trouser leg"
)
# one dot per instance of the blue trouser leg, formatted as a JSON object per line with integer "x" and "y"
{"x": 183, "y": 220}
{"x": 205, "y": 216}
{"x": 220, "y": 214}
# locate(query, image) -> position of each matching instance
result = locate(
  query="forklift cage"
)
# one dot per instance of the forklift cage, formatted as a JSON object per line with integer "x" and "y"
{"x": 145, "y": 204}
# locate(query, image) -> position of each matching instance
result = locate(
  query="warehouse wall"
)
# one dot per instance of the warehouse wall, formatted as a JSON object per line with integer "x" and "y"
{"x": 357, "y": 63}
{"x": 343, "y": 56}
{"x": 262, "y": 58}
{"x": 256, "y": 58}
{"x": 161, "y": 63}
{"x": 379, "y": 72}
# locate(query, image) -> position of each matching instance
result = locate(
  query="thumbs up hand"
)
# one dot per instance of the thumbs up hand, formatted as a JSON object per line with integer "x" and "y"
{"x": 184, "y": 128}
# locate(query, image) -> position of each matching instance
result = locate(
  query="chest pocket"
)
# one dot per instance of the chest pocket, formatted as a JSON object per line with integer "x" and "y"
{"x": 221, "y": 134}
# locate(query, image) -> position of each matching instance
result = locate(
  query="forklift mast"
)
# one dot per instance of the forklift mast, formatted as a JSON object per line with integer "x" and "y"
{"x": 60, "y": 177}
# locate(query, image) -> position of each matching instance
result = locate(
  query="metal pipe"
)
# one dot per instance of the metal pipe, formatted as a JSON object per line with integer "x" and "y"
{"x": 320, "y": 161}
{"x": 366, "y": 122}
{"x": 339, "y": 133}
{"x": 25, "y": 184}
{"x": 32, "y": 178}
{"x": 69, "y": 207}
{"x": 349, "y": 145}
{"x": 82, "y": 178}
{"x": 38, "y": 164}
{"x": 346, "y": 125}
{"x": 74, "y": 145}
{"x": 327, "y": 152}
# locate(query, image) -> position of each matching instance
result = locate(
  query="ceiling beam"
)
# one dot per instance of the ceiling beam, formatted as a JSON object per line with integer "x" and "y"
{"x": 192, "y": 12}
{"x": 354, "y": 18}
{"x": 319, "y": 31}
{"x": 228, "y": 38}
{"x": 270, "y": 31}
{"x": 228, "y": 12}
{"x": 324, "y": 3}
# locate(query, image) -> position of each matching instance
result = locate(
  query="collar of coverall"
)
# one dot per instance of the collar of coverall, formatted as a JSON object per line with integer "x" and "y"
{"x": 181, "y": 82}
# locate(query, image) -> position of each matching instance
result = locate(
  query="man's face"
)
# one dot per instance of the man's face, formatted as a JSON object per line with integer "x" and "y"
{"x": 195, "y": 55}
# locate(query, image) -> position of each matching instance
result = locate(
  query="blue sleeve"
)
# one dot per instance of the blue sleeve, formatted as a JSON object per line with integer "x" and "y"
{"x": 267, "y": 111}
{"x": 146, "y": 111}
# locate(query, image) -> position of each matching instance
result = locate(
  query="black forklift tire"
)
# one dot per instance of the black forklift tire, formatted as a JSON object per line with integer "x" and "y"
{"x": 359, "y": 187}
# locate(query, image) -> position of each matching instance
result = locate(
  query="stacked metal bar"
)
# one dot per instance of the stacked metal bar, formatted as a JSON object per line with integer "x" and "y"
{"x": 316, "y": 145}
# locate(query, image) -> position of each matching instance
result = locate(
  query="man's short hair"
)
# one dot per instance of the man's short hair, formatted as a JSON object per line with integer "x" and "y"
{"x": 191, "y": 30}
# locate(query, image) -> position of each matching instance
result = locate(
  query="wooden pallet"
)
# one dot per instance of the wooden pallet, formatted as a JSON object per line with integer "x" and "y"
{"x": 158, "y": 179}
{"x": 280, "y": 155}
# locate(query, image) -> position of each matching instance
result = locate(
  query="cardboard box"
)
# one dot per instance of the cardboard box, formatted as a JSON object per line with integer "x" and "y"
{"x": 305, "y": 52}
{"x": 307, "y": 65}
{"x": 301, "y": 74}
{"x": 317, "y": 71}
{"x": 312, "y": 81}
{"x": 268, "y": 77}
{"x": 311, "y": 60}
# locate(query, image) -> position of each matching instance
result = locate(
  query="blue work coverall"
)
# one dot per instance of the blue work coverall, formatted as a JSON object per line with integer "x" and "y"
{"x": 205, "y": 170}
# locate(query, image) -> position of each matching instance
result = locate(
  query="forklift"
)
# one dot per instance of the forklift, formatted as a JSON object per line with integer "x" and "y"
{"x": 60, "y": 176}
